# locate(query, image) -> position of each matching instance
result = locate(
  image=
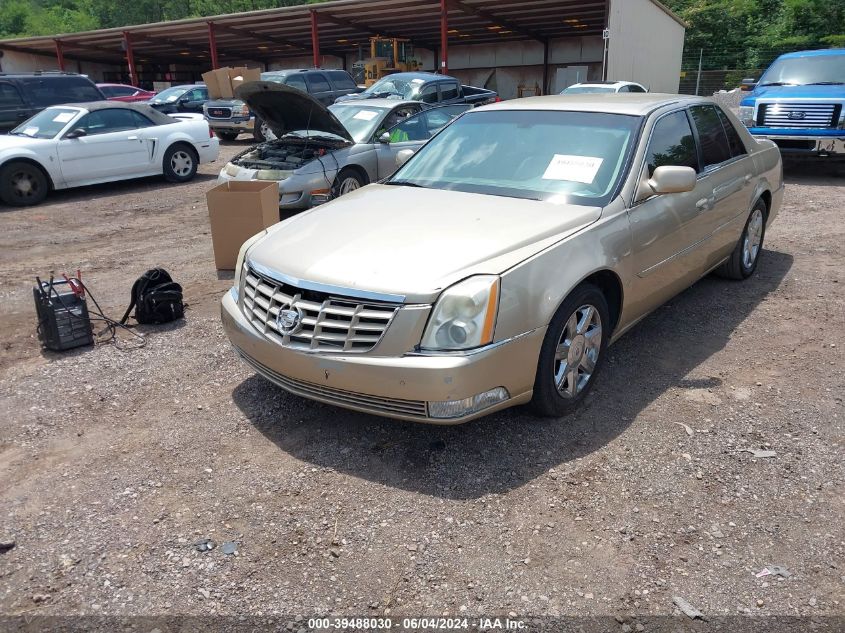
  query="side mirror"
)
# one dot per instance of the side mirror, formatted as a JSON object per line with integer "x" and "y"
{"x": 384, "y": 138}
{"x": 76, "y": 133}
{"x": 748, "y": 84}
{"x": 671, "y": 179}
{"x": 403, "y": 156}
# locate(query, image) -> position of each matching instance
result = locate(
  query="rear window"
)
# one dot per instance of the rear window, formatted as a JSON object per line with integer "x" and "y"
{"x": 47, "y": 91}
{"x": 342, "y": 80}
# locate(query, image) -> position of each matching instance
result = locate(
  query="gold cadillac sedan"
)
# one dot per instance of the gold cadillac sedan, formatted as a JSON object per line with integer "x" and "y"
{"x": 498, "y": 263}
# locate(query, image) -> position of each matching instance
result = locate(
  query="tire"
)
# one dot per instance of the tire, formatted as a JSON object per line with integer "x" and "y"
{"x": 347, "y": 180}
{"x": 572, "y": 353}
{"x": 262, "y": 131}
{"x": 226, "y": 136}
{"x": 743, "y": 261}
{"x": 23, "y": 184}
{"x": 180, "y": 163}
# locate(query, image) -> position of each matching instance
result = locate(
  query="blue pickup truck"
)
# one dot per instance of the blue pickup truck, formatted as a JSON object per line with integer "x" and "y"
{"x": 799, "y": 103}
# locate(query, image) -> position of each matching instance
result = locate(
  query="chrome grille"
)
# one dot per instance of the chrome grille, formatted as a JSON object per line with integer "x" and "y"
{"x": 219, "y": 113}
{"x": 798, "y": 115}
{"x": 360, "y": 401}
{"x": 326, "y": 323}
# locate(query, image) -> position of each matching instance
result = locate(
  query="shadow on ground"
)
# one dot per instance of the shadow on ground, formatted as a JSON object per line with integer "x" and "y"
{"x": 815, "y": 172}
{"x": 511, "y": 448}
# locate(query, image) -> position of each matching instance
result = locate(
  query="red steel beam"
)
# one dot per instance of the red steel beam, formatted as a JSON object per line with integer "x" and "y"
{"x": 130, "y": 58}
{"x": 212, "y": 45}
{"x": 444, "y": 37}
{"x": 60, "y": 55}
{"x": 315, "y": 38}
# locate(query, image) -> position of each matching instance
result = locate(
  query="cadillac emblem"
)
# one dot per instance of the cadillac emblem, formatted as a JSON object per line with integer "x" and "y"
{"x": 289, "y": 321}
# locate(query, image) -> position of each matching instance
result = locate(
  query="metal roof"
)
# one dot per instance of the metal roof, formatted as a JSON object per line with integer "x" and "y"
{"x": 343, "y": 26}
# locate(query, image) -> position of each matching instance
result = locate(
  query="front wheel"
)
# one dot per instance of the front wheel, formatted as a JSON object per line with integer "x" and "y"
{"x": 180, "y": 163}
{"x": 22, "y": 184}
{"x": 347, "y": 180}
{"x": 572, "y": 353}
{"x": 743, "y": 261}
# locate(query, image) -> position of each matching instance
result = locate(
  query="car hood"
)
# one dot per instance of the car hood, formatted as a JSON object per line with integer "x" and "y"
{"x": 287, "y": 109}
{"x": 414, "y": 242}
{"x": 9, "y": 141}
{"x": 799, "y": 92}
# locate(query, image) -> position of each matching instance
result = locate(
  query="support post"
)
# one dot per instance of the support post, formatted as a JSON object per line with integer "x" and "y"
{"x": 130, "y": 58}
{"x": 212, "y": 46}
{"x": 698, "y": 77}
{"x": 444, "y": 37}
{"x": 60, "y": 55}
{"x": 315, "y": 38}
{"x": 546, "y": 67}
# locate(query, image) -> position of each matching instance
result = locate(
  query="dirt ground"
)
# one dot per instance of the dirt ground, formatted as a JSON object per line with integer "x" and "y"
{"x": 113, "y": 463}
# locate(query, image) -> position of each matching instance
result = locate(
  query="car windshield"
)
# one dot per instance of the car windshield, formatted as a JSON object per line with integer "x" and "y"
{"x": 170, "y": 94}
{"x": 360, "y": 120}
{"x": 568, "y": 157}
{"x": 394, "y": 86}
{"x": 46, "y": 124}
{"x": 800, "y": 71}
{"x": 580, "y": 90}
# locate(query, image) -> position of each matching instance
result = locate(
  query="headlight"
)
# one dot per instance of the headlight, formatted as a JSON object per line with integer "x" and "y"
{"x": 240, "y": 110}
{"x": 746, "y": 115}
{"x": 465, "y": 315}
{"x": 239, "y": 263}
{"x": 272, "y": 174}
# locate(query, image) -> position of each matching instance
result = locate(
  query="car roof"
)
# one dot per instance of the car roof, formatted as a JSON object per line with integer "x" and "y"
{"x": 380, "y": 104}
{"x": 142, "y": 108}
{"x": 418, "y": 75}
{"x": 634, "y": 103}
{"x": 825, "y": 52}
{"x": 118, "y": 86}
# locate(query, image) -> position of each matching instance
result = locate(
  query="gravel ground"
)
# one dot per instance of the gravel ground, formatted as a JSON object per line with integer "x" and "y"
{"x": 115, "y": 462}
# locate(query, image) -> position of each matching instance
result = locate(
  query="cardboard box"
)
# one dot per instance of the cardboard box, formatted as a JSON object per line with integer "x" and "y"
{"x": 222, "y": 82}
{"x": 237, "y": 210}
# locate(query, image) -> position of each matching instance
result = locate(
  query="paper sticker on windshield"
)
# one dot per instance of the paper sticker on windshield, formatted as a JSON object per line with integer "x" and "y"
{"x": 63, "y": 117}
{"x": 366, "y": 115}
{"x": 30, "y": 131}
{"x": 573, "y": 168}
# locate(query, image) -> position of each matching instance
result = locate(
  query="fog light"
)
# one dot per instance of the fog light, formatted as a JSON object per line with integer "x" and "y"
{"x": 320, "y": 196}
{"x": 459, "y": 408}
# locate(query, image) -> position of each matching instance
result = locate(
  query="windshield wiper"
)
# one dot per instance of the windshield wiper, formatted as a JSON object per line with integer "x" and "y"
{"x": 779, "y": 83}
{"x": 405, "y": 183}
{"x": 20, "y": 134}
{"x": 826, "y": 83}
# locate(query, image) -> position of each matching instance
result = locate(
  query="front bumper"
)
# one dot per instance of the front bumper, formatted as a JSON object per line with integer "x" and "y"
{"x": 797, "y": 145}
{"x": 398, "y": 387}
{"x": 295, "y": 193}
{"x": 232, "y": 125}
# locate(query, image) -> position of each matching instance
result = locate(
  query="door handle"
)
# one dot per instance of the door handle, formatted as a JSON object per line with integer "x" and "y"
{"x": 747, "y": 178}
{"x": 132, "y": 138}
{"x": 705, "y": 203}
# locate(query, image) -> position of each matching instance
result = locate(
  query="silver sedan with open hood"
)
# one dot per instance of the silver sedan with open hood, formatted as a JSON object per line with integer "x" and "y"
{"x": 496, "y": 265}
{"x": 324, "y": 152}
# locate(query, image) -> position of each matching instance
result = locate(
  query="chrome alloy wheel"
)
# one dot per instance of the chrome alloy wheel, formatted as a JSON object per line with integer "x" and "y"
{"x": 348, "y": 184}
{"x": 181, "y": 163}
{"x": 578, "y": 351}
{"x": 753, "y": 239}
{"x": 24, "y": 185}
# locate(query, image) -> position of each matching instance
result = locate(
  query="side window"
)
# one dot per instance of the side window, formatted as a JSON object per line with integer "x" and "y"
{"x": 448, "y": 91}
{"x": 317, "y": 83}
{"x": 625, "y": 89}
{"x": 106, "y": 121}
{"x": 734, "y": 139}
{"x": 633, "y": 88}
{"x": 672, "y": 143}
{"x": 342, "y": 80}
{"x": 140, "y": 120}
{"x": 711, "y": 135}
{"x": 9, "y": 96}
{"x": 197, "y": 94}
{"x": 109, "y": 91}
{"x": 297, "y": 81}
{"x": 429, "y": 94}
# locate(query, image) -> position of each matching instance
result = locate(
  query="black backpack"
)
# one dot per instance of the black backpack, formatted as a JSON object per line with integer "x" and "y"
{"x": 156, "y": 298}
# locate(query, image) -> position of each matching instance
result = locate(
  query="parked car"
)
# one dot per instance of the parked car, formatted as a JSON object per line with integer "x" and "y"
{"x": 75, "y": 145}
{"x": 186, "y": 98}
{"x": 595, "y": 87}
{"x": 25, "y": 94}
{"x": 496, "y": 265}
{"x": 230, "y": 117}
{"x": 426, "y": 87}
{"x": 127, "y": 94}
{"x": 325, "y": 152}
{"x": 799, "y": 103}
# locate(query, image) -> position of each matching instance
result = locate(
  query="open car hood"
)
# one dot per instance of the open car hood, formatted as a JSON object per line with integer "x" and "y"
{"x": 287, "y": 109}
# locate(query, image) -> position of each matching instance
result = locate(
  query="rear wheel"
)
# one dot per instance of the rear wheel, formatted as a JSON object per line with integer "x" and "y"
{"x": 743, "y": 261}
{"x": 226, "y": 135}
{"x": 572, "y": 353}
{"x": 180, "y": 163}
{"x": 23, "y": 184}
